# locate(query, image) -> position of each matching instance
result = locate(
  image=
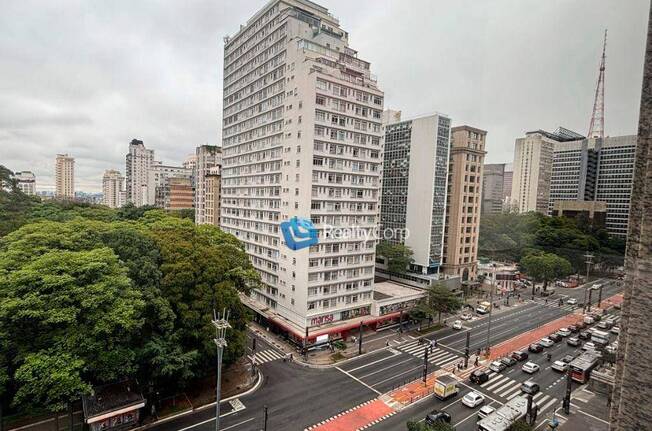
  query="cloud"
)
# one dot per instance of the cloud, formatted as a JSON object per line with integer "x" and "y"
{"x": 85, "y": 77}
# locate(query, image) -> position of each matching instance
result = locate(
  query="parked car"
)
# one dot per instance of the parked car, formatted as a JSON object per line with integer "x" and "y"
{"x": 615, "y": 330}
{"x": 438, "y": 416}
{"x": 497, "y": 366}
{"x": 573, "y": 341}
{"x": 584, "y": 335}
{"x": 466, "y": 316}
{"x": 571, "y": 301}
{"x": 530, "y": 387}
{"x": 589, "y": 320}
{"x": 530, "y": 367}
{"x": 568, "y": 359}
{"x": 612, "y": 348}
{"x": 589, "y": 346}
{"x": 546, "y": 342}
{"x": 472, "y": 399}
{"x": 555, "y": 337}
{"x": 485, "y": 411}
{"x": 457, "y": 324}
{"x": 479, "y": 376}
{"x": 559, "y": 366}
{"x": 605, "y": 324}
{"x": 508, "y": 361}
{"x": 520, "y": 355}
{"x": 535, "y": 348}
{"x": 564, "y": 332}
{"x": 574, "y": 329}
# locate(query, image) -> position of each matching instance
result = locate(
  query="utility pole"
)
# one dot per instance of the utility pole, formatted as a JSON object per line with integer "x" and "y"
{"x": 305, "y": 345}
{"x": 425, "y": 364}
{"x": 600, "y": 297}
{"x": 265, "y": 420}
{"x": 360, "y": 340}
{"x": 567, "y": 398}
{"x": 590, "y": 295}
{"x": 253, "y": 356}
{"x": 589, "y": 260}
{"x": 466, "y": 349}
{"x": 221, "y": 323}
{"x": 491, "y": 307}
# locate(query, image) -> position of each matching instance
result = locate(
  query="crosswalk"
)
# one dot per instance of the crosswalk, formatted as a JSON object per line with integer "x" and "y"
{"x": 554, "y": 303}
{"x": 507, "y": 388}
{"x": 267, "y": 356}
{"x": 437, "y": 356}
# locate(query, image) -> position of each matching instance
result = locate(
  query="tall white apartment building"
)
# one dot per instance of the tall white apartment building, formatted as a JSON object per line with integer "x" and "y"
{"x": 138, "y": 162}
{"x": 64, "y": 175}
{"x": 207, "y": 157}
{"x": 26, "y": 182}
{"x": 302, "y": 136}
{"x": 113, "y": 188}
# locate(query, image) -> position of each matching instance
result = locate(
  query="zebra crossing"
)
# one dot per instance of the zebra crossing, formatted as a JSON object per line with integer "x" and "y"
{"x": 554, "y": 303}
{"x": 437, "y": 356}
{"x": 266, "y": 356}
{"x": 507, "y": 388}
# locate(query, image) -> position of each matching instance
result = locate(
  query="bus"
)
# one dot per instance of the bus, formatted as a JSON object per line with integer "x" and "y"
{"x": 504, "y": 417}
{"x": 599, "y": 337}
{"x": 581, "y": 367}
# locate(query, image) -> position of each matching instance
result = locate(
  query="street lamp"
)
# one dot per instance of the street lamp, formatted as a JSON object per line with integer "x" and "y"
{"x": 589, "y": 260}
{"x": 491, "y": 305}
{"x": 221, "y": 323}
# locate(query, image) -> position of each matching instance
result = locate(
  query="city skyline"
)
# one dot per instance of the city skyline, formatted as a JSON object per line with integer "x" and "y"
{"x": 164, "y": 93}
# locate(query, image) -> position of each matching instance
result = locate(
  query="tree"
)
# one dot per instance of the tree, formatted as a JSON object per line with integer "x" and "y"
{"x": 399, "y": 256}
{"x": 441, "y": 300}
{"x": 545, "y": 267}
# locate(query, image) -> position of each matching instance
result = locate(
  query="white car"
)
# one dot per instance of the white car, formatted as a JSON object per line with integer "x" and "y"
{"x": 589, "y": 320}
{"x": 497, "y": 366}
{"x": 589, "y": 346}
{"x": 485, "y": 411}
{"x": 560, "y": 366}
{"x": 571, "y": 301}
{"x": 457, "y": 324}
{"x": 472, "y": 399}
{"x": 546, "y": 342}
{"x": 465, "y": 316}
{"x": 530, "y": 367}
{"x": 564, "y": 332}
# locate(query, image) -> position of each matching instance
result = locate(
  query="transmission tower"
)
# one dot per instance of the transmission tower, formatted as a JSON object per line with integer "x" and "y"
{"x": 596, "y": 129}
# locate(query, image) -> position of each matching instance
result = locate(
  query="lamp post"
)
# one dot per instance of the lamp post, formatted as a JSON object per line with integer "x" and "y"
{"x": 221, "y": 323}
{"x": 491, "y": 306}
{"x": 589, "y": 260}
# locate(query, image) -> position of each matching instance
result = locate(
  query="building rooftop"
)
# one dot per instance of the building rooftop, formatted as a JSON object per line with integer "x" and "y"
{"x": 386, "y": 290}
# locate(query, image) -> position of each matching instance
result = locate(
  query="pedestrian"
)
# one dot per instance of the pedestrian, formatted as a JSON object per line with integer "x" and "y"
{"x": 387, "y": 343}
{"x": 432, "y": 345}
{"x": 476, "y": 361}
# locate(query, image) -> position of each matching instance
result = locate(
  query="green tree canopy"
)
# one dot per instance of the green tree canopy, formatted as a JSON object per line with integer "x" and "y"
{"x": 545, "y": 267}
{"x": 399, "y": 256}
{"x": 440, "y": 300}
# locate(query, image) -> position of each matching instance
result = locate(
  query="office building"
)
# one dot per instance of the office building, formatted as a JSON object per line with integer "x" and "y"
{"x": 493, "y": 191}
{"x": 213, "y": 196}
{"x": 64, "y": 175}
{"x": 462, "y": 222}
{"x": 138, "y": 162}
{"x": 591, "y": 212}
{"x": 179, "y": 193}
{"x": 26, "y": 182}
{"x": 508, "y": 176}
{"x": 113, "y": 189}
{"x": 208, "y": 156}
{"x": 630, "y": 406}
{"x": 156, "y": 192}
{"x": 533, "y": 168}
{"x": 302, "y": 137}
{"x": 190, "y": 162}
{"x": 415, "y": 173}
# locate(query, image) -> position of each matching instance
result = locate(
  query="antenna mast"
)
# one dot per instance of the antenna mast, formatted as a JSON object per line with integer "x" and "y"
{"x": 596, "y": 129}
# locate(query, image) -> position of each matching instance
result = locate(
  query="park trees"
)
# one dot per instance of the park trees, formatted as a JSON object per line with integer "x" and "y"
{"x": 399, "y": 256}
{"x": 440, "y": 299}
{"x": 545, "y": 267}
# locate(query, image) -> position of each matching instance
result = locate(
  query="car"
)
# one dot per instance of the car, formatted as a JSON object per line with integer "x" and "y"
{"x": 457, "y": 324}
{"x": 520, "y": 355}
{"x": 555, "y": 337}
{"x": 546, "y": 342}
{"x": 508, "y": 361}
{"x": 589, "y": 320}
{"x": 605, "y": 324}
{"x": 584, "y": 335}
{"x": 589, "y": 346}
{"x": 530, "y": 387}
{"x": 574, "y": 329}
{"x": 568, "y": 359}
{"x": 465, "y": 316}
{"x": 497, "y": 366}
{"x": 564, "y": 332}
{"x": 530, "y": 367}
{"x": 535, "y": 348}
{"x": 596, "y": 317}
{"x": 615, "y": 330}
{"x": 472, "y": 399}
{"x": 485, "y": 411}
{"x": 438, "y": 416}
{"x": 611, "y": 348}
{"x": 573, "y": 341}
{"x": 571, "y": 301}
{"x": 479, "y": 376}
{"x": 548, "y": 292}
{"x": 560, "y": 366}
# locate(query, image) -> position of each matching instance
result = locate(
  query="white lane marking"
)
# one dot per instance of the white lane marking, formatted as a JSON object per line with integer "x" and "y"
{"x": 358, "y": 380}
{"x": 383, "y": 369}
{"x": 513, "y": 388}
{"x": 213, "y": 420}
{"x": 371, "y": 363}
{"x": 493, "y": 383}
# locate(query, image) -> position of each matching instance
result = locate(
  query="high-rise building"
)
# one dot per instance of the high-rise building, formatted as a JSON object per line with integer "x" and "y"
{"x": 208, "y": 156}
{"x": 26, "y": 182}
{"x": 113, "y": 189}
{"x": 64, "y": 174}
{"x": 190, "y": 162}
{"x": 138, "y": 162}
{"x": 595, "y": 169}
{"x": 630, "y": 408}
{"x": 213, "y": 196}
{"x": 179, "y": 193}
{"x": 463, "y": 202}
{"x": 493, "y": 192}
{"x": 415, "y": 173}
{"x": 533, "y": 168}
{"x": 508, "y": 176}
{"x": 158, "y": 188}
{"x": 302, "y": 137}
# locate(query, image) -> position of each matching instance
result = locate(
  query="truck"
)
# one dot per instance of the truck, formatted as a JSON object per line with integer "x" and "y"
{"x": 483, "y": 307}
{"x": 445, "y": 387}
{"x": 504, "y": 417}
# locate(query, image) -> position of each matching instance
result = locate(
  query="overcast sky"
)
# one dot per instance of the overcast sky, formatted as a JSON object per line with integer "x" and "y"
{"x": 86, "y": 77}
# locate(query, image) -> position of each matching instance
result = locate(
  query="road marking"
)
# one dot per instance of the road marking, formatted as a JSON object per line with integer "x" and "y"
{"x": 383, "y": 369}
{"x": 213, "y": 420}
{"x": 399, "y": 374}
{"x": 358, "y": 380}
{"x": 372, "y": 363}
{"x": 594, "y": 417}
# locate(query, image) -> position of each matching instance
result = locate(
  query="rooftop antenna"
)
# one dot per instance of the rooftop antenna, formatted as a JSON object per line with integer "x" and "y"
{"x": 596, "y": 129}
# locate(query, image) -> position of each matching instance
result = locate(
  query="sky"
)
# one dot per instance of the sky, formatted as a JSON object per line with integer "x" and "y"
{"x": 86, "y": 77}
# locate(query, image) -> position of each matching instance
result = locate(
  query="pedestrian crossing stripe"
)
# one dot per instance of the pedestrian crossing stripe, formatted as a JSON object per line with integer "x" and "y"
{"x": 266, "y": 356}
{"x": 505, "y": 387}
{"x": 438, "y": 356}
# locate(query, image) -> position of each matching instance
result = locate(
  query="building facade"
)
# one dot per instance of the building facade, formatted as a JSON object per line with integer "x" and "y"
{"x": 213, "y": 196}
{"x": 64, "y": 174}
{"x": 592, "y": 212}
{"x": 26, "y": 182}
{"x": 113, "y": 192}
{"x": 180, "y": 194}
{"x": 508, "y": 177}
{"x": 463, "y": 202}
{"x": 207, "y": 157}
{"x": 302, "y": 137}
{"x": 138, "y": 162}
{"x": 157, "y": 191}
{"x": 493, "y": 192}
{"x": 415, "y": 174}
